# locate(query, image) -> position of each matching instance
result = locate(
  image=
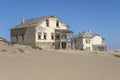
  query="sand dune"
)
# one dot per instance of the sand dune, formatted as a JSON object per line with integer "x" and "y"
{"x": 56, "y": 64}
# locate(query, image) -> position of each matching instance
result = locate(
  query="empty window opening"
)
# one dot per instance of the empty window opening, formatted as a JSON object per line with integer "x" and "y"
{"x": 45, "y": 36}
{"x": 47, "y": 23}
{"x": 39, "y": 36}
{"x": 57, "y": 23}
{"x": 52, "y": 35}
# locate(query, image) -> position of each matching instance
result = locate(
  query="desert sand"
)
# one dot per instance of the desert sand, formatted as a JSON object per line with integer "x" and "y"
{"x": 18, "y": 62}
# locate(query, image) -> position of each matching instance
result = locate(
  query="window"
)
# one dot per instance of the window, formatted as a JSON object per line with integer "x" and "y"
{"x": 64, "y": 36}
{"x": 88, "y": 41}
{"x": 57, "y": 37}
{"x": 53, "y": 44}
{"x": 57, "y": 23}
{"x": 39, "y": 35}
{"x": 45, "y": 35}
{"x": 52, "y": 35}
{"x": 47, "y": 23}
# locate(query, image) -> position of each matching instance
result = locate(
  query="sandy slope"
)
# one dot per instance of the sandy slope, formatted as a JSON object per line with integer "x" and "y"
{"x": 56, "y": 65}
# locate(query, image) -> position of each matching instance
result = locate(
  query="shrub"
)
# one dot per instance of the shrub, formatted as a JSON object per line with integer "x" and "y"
{"x": 36, "y": 47}
{"x": 21, "y": 50}
{"x": 4, "y": 50}
{"x": 117, "y": 55}
{"x": 9, "y": 44}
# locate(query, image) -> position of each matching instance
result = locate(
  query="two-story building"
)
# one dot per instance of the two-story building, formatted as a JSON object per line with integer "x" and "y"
{"x": 47, "y": 32}
{"x": 89, "y": 41}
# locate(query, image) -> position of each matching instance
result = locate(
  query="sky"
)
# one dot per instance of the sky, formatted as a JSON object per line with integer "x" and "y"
{"x": 99, "y": 16}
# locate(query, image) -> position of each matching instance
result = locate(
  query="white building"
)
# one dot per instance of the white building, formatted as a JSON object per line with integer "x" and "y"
{"x": 47, "y": 32}
{"x": 89, "y": 41}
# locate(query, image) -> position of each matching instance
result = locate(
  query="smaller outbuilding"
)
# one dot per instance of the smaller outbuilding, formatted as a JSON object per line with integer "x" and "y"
{"x": 89, "y": 41}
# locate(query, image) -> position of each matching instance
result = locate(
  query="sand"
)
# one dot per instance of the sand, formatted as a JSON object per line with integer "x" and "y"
{"x": 34, "y": 64}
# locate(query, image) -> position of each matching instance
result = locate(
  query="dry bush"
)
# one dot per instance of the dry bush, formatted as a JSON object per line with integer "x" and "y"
{"x": 4, "y": 50}
{"x": 21, "y": 50}
{"x": 117, "y": 55}
{"x": 36, "y": 47}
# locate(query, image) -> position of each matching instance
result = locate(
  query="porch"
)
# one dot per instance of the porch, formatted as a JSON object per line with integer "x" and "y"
{"x": 101, "y": 47}
{"x": 62, "y": 38}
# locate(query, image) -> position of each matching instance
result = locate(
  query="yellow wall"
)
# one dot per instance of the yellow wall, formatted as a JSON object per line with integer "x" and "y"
{"x": 51, "y": 29}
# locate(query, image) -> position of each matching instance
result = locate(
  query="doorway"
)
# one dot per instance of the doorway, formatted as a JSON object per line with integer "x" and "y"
{"x": 63, "y": 45}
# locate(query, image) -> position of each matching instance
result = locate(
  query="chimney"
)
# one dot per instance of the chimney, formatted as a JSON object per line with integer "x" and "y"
{"x": 22, "y": 20}
{"x": 89, "y": 31}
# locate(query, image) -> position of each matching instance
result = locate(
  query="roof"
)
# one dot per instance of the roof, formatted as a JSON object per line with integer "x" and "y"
{"x": 64, "y": 30}
{"x": 87, "y": 34}
{"x": 33, "y": 22}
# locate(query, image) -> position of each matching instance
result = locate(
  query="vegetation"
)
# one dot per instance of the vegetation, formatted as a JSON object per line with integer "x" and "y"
{"x": 4, "y": 50}
{"x": 117, "y": 55}
{"x": 10, "y": 44}
{"x": 116, "y": 51}
{"x": 21, "y": 50}
{"x": 36, "y": 47}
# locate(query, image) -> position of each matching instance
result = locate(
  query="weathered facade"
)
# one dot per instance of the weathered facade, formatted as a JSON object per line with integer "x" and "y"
{"x": 43, "y": 32}
{"x": 89, "y": 41}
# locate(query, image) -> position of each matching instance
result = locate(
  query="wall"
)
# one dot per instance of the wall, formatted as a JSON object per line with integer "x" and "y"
{"x": 17, "y": 33}
{"x": 78, "y": 43}
{"x": 85, "y": 45}
{"x": 97, "y": 40}
{"x": 28, "y": 34}
{"x": 51, "y": 29}
{"x": 46, "y": 45}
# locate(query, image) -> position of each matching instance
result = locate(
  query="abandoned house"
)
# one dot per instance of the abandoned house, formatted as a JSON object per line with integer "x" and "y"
{"x": 47, "y": 32}
{"x": 89, "y": 41}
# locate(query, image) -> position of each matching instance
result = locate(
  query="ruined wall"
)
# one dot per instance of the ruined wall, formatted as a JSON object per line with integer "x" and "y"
{"x": 23, "y": 35}
{"x": 78, "y": 43}
{"x": 46, "y": 45}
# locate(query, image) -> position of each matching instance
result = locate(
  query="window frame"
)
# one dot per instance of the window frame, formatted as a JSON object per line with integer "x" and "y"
{"x": 47, "y": 23}
{"x": 44, "y": 35}
{"x": 52, "y": 36}
{"x": 57, "y": 23}
{"x": 88, "y": 41}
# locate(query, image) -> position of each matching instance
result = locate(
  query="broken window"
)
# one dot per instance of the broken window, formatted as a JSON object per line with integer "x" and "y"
{"x": 39, "y": 35}
{"x": 47, "y": 23}
{"x": 57, "y": 23}
{"x": 57, "y": 36}
{"x": 45, "y": 35}
{"x": 52, "y": 35}
{"x": 87, "y": 41}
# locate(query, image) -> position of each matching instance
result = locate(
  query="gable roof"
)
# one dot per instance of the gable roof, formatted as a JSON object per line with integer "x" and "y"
{"x": 87, "y": 34}
{"x": 33, "y": 22}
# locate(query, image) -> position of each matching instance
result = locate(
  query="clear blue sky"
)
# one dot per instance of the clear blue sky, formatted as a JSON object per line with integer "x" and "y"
{"x": 99, "y": 16}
